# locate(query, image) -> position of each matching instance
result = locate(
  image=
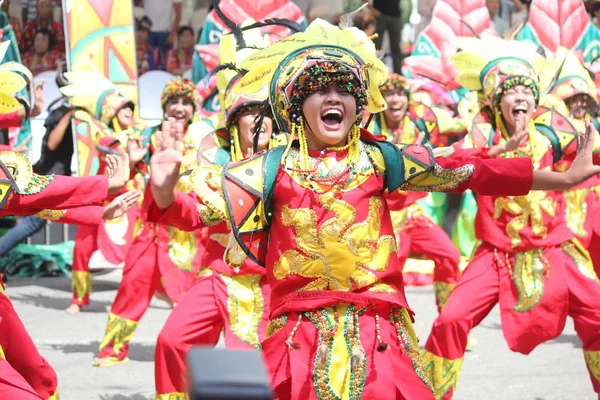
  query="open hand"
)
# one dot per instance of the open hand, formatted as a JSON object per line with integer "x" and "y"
{"x": 136, "y": 151}
{"x": 38, "y": 102}
{"x": 166, "y": 162}
{"x": 120, "y": 204}
{"x": 515, "y": 141}
{"x": 583, "y": 166}
{"x": 117, "y": 170}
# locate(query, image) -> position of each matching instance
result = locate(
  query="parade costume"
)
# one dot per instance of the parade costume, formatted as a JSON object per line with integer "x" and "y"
{"x": 101, "y": 101}
{"x": 319, "y": 222}
{"x": 160, "y": 258}
{"x": 24, "y": 373}
{"x": 223, "y": 298}
{"x": 526, "y": 261}
{"x": 415, "y": 231}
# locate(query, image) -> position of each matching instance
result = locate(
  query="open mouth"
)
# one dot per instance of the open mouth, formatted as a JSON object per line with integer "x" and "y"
{"x": 519, "y": 110}
{"x": 332, "y": 118}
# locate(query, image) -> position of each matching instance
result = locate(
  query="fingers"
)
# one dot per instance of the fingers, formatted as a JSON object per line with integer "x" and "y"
{"x": 420, "y": 137}
{"x": 111, "y": 162}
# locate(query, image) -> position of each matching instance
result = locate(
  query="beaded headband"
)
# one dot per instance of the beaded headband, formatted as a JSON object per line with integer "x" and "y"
{"x": 179, "y": 87}
{"x": 396, "y": 81}
{"x": 513, "y": 81}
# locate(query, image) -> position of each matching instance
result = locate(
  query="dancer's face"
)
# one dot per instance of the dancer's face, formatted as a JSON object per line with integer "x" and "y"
{"x": 181, "y": 108}
{"x": 578, "y": 105}
{"x": 246, "y": 126}
{"x": 397, "y": 104}
{"x": 328, "y": 116}
{"x": 516, "y": 104}
{"x": 125, "y": 117}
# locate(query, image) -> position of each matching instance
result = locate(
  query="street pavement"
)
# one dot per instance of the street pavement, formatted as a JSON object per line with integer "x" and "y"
{"x": 555, "y": 370}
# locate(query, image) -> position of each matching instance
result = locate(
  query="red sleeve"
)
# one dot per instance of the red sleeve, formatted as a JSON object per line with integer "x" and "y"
{"x": 86, "y": 215}
{"x": 62, "y": 192}
{"x": 182, "y": 214}
{"x": 494, "y": 176}
{"x": 10, "y": 120}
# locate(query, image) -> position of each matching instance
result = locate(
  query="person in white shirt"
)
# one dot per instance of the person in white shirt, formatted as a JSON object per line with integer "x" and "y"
{"x": 166, "y": 17}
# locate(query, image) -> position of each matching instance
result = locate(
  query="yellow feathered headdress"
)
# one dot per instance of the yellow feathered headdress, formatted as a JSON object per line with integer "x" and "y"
{"x": 11, "y": 81}
{"x": 492, "y": 65}
{"x": 333, "y": 50}
{"x": 571, "y": 76}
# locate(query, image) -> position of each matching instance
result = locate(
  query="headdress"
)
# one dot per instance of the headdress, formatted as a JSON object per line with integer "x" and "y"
{"x": 322, "y": 55}
{"x": 396, "y": 81}
{"x": 492, "y": 66}
{"x": 177, "y": 87}
{"x": 14, "y": 77}
{"x": 571, "y": 77}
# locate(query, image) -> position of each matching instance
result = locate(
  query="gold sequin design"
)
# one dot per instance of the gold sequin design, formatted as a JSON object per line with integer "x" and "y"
{"x": 119, "y": 332}
{"x": 245, "y": 305}
{"x": 581, "y": 257}
{"x": 182, "y": 248}
{"x": 442, "y": 292}
{"x": 528, "y": 210}
{"x": 382, "y": 288}
{"x": 439, "y": 179}
{"x": 528, "y": 277}
{"x": 81, "y": 284}
{"x": 208, "y": 216}
{"x": 407, "y": 336}
{"x": 51, "y": 215}
{"x": 276, "y": 324}
{"x": 173, "y": 396}
{"x": 204, "y": 272}
{"x": 592, "y": 359}
{"x": 576, "y": 210}
{"x": 37, "y": 184}
{"x": 442, "y": 372}
{"x": 342, "y": 254}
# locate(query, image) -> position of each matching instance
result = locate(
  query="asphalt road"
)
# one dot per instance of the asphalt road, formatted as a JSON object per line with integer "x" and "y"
{"x": 555, "y": 370}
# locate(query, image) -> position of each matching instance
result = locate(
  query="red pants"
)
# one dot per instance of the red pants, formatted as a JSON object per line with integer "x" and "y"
{"x": 344, "y": 356}
{"x": 486, "y": 281}
{"x": 86, "y": 243}
{"x": 24, "y": 373}
{"x": 141, "y": 279}
{"x": 199, "y": 319}
{"x": 420, "y": 235}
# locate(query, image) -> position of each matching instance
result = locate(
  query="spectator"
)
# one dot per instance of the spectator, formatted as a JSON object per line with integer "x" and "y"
{"x": 387, "y": 19}
{"x": 165, "y": 16}
{"x": 44, "y": 21}
{"x": 351, "y": 5}
{"x": 520, "y": 15}
{"x": 13, "y": 21}
{"x": 42, "y": 57}
{"x": 180, "y": 60}
{"x": 499, "y": 23}
{"x": 425, "y": 9}
{"x": 147, "y": 56}
{"x": 365, "y": 21}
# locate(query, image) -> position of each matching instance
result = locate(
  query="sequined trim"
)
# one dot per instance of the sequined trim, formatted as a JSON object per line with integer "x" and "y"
{"x": 119, "y": 332}
{"x": 208, "y": 216}
{"x": 443, "y": 373}
{"x": 576, "y": 210}
{"x": 592, "y": 359}
{"x": 276, "y": 324}
{"x": 439, "y": 179}
{"x": 51, "y": 215}
{"x": 582, "y": 259}
{"x": 172, "y": 396}
{"x": 204, "y": 272}
{"x": 81, "y": 284}
{"x": 406, "y": 335}
{"x": 528, "y": 276}
{"x": 182, "y": 248}
{"x": 37, "y": 184}
{"x": 442, "y": 292}
{"x": 245, "y": 306}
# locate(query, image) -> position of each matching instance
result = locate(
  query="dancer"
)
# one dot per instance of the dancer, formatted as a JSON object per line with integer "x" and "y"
{"x": 526, "y": 261}
{"x": 160, "y": 257}
{"x": 340, "y": 324}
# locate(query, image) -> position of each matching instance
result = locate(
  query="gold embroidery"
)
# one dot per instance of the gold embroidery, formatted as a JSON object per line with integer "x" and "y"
{"x": 439, "y": 179}
{"x": 81, "y": 284}
{"x": 204, "y": 272}
{"x": 182, "y": 248}
{"x": 576, "y": 210}
{"x": 208, "y": 216}
{"x": 276, "y": 324}
{"x": 51, "y": 215}
{"x": 592, "y": 359}
{"x": 525, "y": 208}
{"x": 245, "y": 305}
{"x": 581, "y": 257}
{"x": 342, "y": 254}
{"x": 528, "y": 277}
{"x": 382, "y": 288}
{"x": 442, "y": 373}
{"x": 442, "y": 292}
{"x": 172, "y": 396}
{"x": 119, "y": 332}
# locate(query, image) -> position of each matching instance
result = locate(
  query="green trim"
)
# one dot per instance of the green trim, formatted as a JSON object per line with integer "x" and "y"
{"x": 492, "y": 63}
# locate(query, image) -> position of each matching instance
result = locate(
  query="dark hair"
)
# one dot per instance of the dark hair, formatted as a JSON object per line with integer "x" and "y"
{"x": 144, "y": 24}
{"x": 185, "y": 28}
{"x": 48, "y": 33}
{"x": 596, "y": 6}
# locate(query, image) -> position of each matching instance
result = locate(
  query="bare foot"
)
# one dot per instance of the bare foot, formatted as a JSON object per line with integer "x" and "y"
{"x": 73, "y": 309}
{"x": 108, "y": 362}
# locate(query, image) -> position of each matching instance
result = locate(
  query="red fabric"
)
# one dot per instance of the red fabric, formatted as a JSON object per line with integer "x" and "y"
{"x": 85, "y": 215}
{"x": 197, "y": 321}
{"x": 114, "y": 241}
{"x": 178, "y": 60}
{"x": 485, "y": 281}
{"x": 27, "y": 369}
{"x": 9, "y": 120}
{"x": 37, "y": 64}
{"x": 33, "y": 25}
{"x": 85, "y": 246}
{"x": 390, "y": 375}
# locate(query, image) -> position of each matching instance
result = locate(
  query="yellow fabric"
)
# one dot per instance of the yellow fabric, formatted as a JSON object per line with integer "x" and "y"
{"x": 443, "y": 373}
{"x": 119, "y": 331}
{"x": 81, "y": 283}
{"x": 172, "y": 396}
